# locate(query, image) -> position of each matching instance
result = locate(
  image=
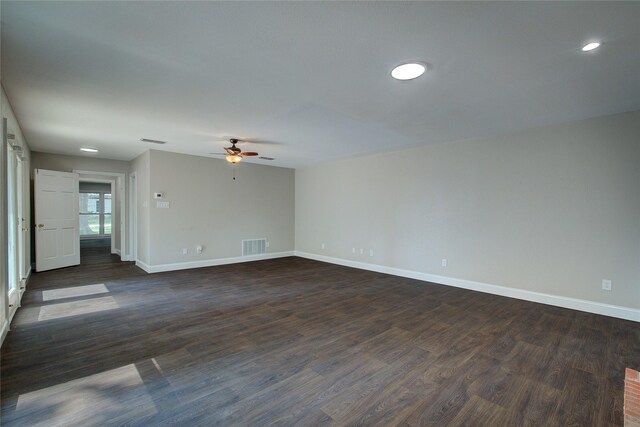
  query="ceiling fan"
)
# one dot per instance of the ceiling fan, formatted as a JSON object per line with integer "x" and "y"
{"x": 234, "y": 154}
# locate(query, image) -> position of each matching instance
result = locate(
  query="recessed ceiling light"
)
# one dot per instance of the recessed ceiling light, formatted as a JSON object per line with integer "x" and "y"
{"x": 590, "y": 46}
{"x": 89, "y": 150}
{"x": 408, "y": 71}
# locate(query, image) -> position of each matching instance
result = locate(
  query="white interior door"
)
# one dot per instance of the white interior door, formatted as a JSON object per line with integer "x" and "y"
{"x": 57, "y": 219}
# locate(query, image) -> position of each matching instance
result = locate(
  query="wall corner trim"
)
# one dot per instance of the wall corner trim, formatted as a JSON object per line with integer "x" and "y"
{"x": 626, "y": 313}
{"x": 159, "y": 268}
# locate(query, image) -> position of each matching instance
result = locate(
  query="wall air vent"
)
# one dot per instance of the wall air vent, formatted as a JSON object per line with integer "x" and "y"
{"x": 153, "y": 141}
{"x": 254, "y": 247}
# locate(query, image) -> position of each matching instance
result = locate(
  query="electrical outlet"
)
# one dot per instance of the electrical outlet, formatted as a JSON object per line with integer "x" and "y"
{"x": 199, "y": 249}
{"x": 361, "y": 251}
{"x": 444, "y": 262}
{"x": 370, "y": 252}
{"x": 353, "y": 250}
{"x": 322, "y": 246}
{"x": 185, "y": 251}
{"x": 606, "y": 284}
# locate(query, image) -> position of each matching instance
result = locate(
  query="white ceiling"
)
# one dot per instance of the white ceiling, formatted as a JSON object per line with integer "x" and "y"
{"x": 312, "y": 78}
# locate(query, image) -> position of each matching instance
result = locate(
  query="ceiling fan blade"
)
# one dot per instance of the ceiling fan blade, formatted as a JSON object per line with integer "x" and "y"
{"x": 248, "y": 153}
{"x": 266, "y": 158}
{"x": 219, "y": 154}
{"x": 258, "y": 141}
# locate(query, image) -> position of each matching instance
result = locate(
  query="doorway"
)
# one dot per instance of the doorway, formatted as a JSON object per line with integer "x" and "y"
{"x": 106, "y": 217}
{"x": 96, "y": 216}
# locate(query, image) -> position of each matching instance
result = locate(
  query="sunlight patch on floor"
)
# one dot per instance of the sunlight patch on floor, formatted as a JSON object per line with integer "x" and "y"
{"x": 75, "y": 308}
{"x": 110, "y": 396}
{"x": 157, "y": 365}
{"x": 74, "y": 291}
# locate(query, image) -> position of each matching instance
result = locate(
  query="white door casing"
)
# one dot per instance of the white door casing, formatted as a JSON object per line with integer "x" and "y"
{"x": 57, "y": 221}
{"x": 120, "y": 201}
{"x": 133, "y": 218}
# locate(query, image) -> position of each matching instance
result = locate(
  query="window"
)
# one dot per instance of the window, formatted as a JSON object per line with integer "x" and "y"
{"x": 95, "y": 213}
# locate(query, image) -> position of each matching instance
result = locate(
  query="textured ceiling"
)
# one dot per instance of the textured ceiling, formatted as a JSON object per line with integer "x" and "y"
{"x": 310, "y": 78}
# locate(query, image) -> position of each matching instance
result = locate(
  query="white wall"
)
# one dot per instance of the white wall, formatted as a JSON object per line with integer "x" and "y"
{"x": 552, "y": 210}
{"x": 64, "y": 163}
{"x": 209, "y": 208}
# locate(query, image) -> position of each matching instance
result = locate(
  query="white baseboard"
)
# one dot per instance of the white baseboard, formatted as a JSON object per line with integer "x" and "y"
{"x": 116, "y": 251}
{"x": 3, "y": 333}
{"x": 143, "y": 266}
{"x": 626, "y": 313}
{"x": 158, "y": 268}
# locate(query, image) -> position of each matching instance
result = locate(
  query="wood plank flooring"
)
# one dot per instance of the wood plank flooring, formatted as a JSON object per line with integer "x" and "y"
{"x": 297, "y": 342}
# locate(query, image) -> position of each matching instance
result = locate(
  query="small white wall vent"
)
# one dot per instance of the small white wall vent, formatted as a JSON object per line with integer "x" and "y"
{"x": 153, "y": 141}
{"x": 254, "y": 247}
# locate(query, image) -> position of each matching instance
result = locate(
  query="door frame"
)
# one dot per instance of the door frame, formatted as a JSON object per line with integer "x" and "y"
{"x": 15, "y": 178}
{"x": 11, "y": 150}
{"x": 4, "y": 241}
{"x": 133, "y": 217}
{"x": 24, "y": 227}
{"x": 13, "y": 235}
{"x": 125, "y": 249}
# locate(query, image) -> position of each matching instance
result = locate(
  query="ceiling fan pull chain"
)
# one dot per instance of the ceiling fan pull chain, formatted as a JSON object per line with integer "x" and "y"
{"x": 234, "y": 172}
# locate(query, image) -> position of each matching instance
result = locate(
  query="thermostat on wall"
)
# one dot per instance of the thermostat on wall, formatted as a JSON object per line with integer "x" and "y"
{"x": 157, "y": 195}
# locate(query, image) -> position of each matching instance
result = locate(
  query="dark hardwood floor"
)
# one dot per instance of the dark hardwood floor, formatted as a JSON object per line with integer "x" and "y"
{"x": 297, "y": 342}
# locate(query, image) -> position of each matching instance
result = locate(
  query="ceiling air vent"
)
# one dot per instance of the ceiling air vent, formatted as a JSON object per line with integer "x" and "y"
{"x": 254, "y": 247}
{"x": 153, "y": 141}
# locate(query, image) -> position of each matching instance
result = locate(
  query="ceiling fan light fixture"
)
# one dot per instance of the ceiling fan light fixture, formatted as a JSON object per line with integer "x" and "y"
{"x": 235, "y": 158}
